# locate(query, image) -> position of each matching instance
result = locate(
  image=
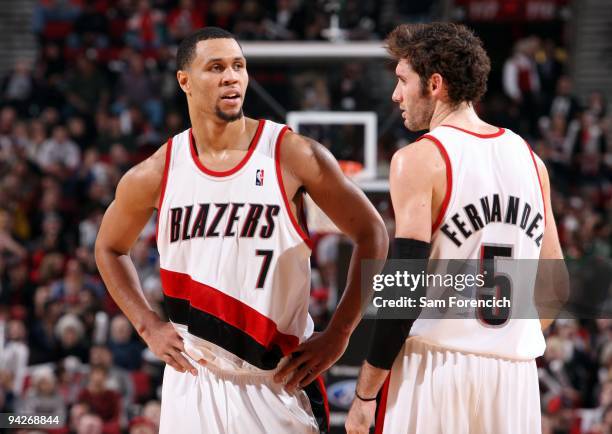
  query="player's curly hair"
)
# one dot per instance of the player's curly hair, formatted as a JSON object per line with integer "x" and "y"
{"x": 451, "y": 50}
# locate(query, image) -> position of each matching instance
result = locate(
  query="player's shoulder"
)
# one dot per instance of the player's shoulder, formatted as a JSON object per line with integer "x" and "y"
{"x": 297, "y": 150}
{"x": 143, "y": 181}
{"x": 421, "y": 157}
{"x": 293, "y": 142}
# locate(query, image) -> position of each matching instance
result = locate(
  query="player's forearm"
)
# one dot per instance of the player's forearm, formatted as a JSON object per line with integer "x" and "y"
{"x": 370, "y": 380}
{"x": 373, "y": 245}
{"x": 121, "y": 279}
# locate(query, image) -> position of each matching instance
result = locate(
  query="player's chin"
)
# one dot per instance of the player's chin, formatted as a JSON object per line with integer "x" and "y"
{"x": 230, "y": 115}
{"x": 412, "y": 126}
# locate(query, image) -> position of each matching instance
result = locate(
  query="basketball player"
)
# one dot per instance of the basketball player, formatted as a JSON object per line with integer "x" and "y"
{"x": 234, "y": 257}
{"x": 455, "y": 193}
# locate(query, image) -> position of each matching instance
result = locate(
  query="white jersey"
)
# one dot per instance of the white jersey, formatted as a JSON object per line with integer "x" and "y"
{"x": 235, "y": 263}
{"x": 493, "y": 208}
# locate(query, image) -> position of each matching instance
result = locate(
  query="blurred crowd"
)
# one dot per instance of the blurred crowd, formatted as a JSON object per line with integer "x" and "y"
{"x": 149, "y": 25}
{"x": 102, "y": 95}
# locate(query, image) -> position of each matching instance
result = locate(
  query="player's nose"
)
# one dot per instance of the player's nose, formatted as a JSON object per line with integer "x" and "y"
{"x": 397, "y": 95}
{"x": 230, "y": 76}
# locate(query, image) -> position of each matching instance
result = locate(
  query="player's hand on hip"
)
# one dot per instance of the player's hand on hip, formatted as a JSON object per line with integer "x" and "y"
{"x": 167, "y": 345}
{"x": 360, "y": 417}
{"x": 311, "y": 358}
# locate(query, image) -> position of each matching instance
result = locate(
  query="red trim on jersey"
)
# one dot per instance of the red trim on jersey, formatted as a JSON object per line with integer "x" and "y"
{"x": 323, "y": 390}
{"x": 228, "y": 309}
{"x": 539, "y": 179}
{"x": 163, "y": 184}
{"x": 252, "y": 146}
{"x": 482, "y": 136}
{"x": 279, "y": 178}
{"x": 382, "y": 407}
{"x": 449, "y": 181}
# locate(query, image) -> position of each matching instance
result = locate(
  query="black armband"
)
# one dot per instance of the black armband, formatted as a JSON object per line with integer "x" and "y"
{"x": 390, "y": 334}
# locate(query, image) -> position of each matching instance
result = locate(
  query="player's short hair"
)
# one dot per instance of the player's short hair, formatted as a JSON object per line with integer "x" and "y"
{"x": 451, "y": 50}
{"x": 187, "y": 47}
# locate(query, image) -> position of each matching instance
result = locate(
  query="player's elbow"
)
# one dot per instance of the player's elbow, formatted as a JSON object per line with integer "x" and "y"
{"x": 101, "y": 252}
{"x": 376, "y": 237}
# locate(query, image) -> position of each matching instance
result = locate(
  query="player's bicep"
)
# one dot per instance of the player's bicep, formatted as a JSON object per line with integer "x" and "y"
{"x": 411, "y": 187}
{"x": 121, "y": 226}
{"x": 129, "y": 212}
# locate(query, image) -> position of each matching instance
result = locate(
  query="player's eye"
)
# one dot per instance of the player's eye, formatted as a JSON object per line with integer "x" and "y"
{"x": 238, "y": 66}
{"x": 216, "y": 67}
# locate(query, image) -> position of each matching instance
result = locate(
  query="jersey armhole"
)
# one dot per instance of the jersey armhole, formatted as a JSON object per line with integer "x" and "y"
{"x": 279, "y": 177}
{"x": 449, "y": 181}
{"x": 164, "y": 182}
{"x": 535, "y": 164}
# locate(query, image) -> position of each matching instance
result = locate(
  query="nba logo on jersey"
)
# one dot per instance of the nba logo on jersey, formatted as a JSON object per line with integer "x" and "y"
{"x": 259, "y": 177}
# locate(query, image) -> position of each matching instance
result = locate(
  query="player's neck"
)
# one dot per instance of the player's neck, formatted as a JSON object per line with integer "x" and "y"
{"x": 462, "y": 115}
{"x": 212, "y": 135}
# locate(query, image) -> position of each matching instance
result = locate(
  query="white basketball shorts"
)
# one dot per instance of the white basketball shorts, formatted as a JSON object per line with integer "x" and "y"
{"x": 222, "y": 402}
{"x": 432, "y": 390}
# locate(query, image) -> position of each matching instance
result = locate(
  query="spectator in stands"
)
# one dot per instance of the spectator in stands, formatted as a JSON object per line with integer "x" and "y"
{"x": 14, "y": 354}
{"x": 69, "y": 374}
{"x": 564, "y": 103}
{"x": 87, "y": 90}
{"x": 91, "y": 423}
{"x": 185, "y": 18}
{"x": 250, "y": 21}
{"x": 521, "y": 81}
{"x": 73, "y": 283}
{"x": 284, "y": 20}
{"x": 91, "y": 27}
{"x": 587, "y": 145}
{"x": 8, "y": 245}
{"x": 18, "y": 86}
{"x": 146, "y": 30}
{"x": 7, "y": 395}
{"x": 59, "y": 156}
{"x": 126, "y": 351}
{"x": 151, "y": 412}
{"x": 137, "y": 86}
{"x": 77, "y": 411}
{"x": 70, "y": 334}
{"x": 551, "y": 62}
{"x": 221, "y": 13}
{"x": 102, "y": 401}
{"x": 140, "y": 425}
{"x": 42, "y": 398}
{"x": 117, "y": 378}
{"x": 597, "y": 420}
{"x": 555, "y": 375}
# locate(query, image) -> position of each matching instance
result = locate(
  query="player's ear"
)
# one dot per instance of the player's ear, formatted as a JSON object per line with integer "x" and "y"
{"x": 435, "y": 84}
{"x": 183, "y": 80}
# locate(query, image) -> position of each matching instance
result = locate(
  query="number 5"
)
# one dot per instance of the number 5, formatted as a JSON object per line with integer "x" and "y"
{"x": 500, "y": 282}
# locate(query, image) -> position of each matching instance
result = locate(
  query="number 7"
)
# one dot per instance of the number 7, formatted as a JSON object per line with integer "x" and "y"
{"x": 265, "y": 266}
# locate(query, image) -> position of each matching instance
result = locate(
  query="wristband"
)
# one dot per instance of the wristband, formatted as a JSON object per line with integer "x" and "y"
{"x": 364, "y": 399}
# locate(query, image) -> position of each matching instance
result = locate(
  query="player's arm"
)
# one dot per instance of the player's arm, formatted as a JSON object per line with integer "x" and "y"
{"x": 552, "y": 284}
{"x": 415, "y": 171}
{"x": 135, "y": 200}
{"x": 314, "y": 168}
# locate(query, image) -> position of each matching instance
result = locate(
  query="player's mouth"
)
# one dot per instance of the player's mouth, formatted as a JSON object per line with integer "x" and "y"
{"x": 231, "y": 97}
